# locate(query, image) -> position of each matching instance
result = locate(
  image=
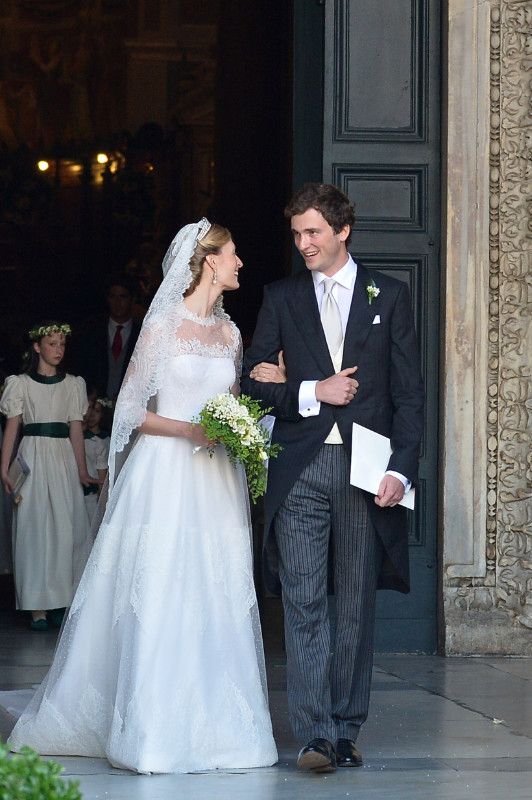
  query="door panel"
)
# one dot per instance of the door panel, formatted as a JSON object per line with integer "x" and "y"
{"x": 381, "y": 146}
{"x": 380, "y": 80}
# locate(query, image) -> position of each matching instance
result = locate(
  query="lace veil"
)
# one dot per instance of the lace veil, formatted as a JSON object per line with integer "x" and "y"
{"x": 145, "y": 374}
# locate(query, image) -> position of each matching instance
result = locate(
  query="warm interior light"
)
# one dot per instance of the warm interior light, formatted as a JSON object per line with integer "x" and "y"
{"x": 102, "y": 158}
{"x": 43, "y": 165}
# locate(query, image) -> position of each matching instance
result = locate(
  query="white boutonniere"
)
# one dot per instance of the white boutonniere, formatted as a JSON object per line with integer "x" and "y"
{"x": 373, "y": 292}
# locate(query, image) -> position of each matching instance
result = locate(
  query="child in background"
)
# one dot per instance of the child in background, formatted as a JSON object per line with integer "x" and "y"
{"x": 50, "y": 524}
{"x": 6, "y": 566}
{"x": 96, "y": 432}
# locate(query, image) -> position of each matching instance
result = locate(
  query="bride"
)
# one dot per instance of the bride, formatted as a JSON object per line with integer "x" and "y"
{"x": 160, "y": 666}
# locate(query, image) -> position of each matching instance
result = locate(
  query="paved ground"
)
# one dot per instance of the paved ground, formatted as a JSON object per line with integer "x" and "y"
{"x": 438, "y": 728}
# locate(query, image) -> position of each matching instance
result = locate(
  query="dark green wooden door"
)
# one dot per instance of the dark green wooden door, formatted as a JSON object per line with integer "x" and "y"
{"x": 380, "y": 144}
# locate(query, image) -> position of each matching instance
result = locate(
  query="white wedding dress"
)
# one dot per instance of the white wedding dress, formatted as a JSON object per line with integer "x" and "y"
{"x": 160, "y": 665}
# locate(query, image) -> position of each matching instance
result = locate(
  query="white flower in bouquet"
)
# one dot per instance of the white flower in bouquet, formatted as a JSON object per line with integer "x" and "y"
{"x": 234, "y": 422}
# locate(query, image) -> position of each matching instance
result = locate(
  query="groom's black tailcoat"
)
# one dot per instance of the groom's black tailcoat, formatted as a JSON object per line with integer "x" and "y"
{"x": 389, "y": 400}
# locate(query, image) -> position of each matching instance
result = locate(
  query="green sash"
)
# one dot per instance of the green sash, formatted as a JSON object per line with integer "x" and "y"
{"x": 54, "y": 430}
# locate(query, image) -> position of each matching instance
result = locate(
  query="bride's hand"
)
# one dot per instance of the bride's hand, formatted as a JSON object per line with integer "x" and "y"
{"x": 197, "y": 436}
{"x": 269, "y": 373}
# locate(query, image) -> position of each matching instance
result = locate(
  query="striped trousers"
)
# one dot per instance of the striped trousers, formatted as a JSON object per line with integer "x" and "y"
{"x": 328, "y": 681}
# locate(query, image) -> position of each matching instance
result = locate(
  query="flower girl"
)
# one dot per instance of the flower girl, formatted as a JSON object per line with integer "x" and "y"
{"x": 50, "y": 523}
{"x": 96, "y": 435}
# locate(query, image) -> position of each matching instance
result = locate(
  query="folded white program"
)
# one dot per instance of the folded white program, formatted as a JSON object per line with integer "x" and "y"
{"x": 370, "y": 455}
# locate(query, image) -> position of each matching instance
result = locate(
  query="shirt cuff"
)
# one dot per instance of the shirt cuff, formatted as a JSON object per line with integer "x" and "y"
{"x": 308, "y": 405}
{"x": 406, "y": 483}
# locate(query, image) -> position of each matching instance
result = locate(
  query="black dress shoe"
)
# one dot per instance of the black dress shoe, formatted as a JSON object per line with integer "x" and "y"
{"x": 317, "y": 756}
{"x": 347, "y": 755}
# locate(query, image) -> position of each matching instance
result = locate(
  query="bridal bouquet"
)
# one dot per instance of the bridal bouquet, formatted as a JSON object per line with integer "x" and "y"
{"x": 234, "y": 422}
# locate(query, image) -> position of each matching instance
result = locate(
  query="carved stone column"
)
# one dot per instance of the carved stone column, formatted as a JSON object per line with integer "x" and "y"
{"x": 487, "y": 460}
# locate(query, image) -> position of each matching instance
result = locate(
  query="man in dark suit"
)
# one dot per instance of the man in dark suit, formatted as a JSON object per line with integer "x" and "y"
{"x": 351, "y": 356}
{"x": 105, "y": 344}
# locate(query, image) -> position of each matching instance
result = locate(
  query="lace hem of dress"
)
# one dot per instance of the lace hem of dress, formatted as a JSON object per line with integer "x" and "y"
{"x": 51, "y": 733}
{"x": 97, "y": 727}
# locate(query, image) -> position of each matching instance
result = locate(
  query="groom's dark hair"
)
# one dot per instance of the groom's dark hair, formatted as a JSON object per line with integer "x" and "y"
{"x": 334, "y": 206}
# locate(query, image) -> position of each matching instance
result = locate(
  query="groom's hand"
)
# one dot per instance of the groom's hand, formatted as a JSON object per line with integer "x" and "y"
{"x": 391, "y": 492}
{"x": 339, "y": 389}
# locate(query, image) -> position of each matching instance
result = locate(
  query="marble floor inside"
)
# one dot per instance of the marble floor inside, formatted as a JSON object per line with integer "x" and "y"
{"x": 438, "y": 728}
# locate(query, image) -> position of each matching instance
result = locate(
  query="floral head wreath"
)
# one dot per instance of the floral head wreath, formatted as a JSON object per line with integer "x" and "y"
{"x": 104, "y": 402}
{"x": 39, "y": 331}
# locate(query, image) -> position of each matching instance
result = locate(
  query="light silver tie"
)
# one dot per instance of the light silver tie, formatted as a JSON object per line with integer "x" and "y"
{"x": 330, "y": 318}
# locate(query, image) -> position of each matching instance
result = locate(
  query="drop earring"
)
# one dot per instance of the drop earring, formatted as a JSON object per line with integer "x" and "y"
{"x": 214, "y": 278}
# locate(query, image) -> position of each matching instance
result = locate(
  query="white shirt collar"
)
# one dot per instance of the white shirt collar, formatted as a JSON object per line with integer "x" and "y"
{"x": 345, "y": 276}
{"x": 125, "y": 325}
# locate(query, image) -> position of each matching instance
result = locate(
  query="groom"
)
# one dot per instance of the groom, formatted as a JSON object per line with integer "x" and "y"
{"x": 351, "y": 356}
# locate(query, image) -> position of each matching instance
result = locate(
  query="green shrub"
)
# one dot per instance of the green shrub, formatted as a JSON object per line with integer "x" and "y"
{"x": 27, "y": 776}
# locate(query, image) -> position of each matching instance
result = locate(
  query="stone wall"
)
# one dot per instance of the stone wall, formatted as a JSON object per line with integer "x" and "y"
{"x": 487, "y": 459}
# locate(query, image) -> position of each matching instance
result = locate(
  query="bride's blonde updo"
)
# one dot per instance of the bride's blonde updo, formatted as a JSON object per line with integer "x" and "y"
{"x": 210, "y": 244}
